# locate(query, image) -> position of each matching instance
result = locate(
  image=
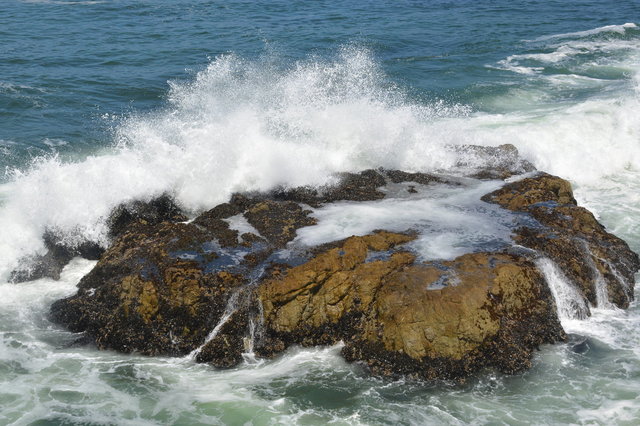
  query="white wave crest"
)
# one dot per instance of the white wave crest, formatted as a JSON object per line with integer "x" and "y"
{"x": 239, "y": 126}
{"x": 251, "y": 125}
{"x": 619, "y": 29}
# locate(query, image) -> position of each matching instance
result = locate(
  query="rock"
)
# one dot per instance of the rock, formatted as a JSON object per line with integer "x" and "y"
{"x": 398, "y": 176}
{"x": 361, "y": 186}
{"x": 277, "y": 221}
{"x": 488, "y": 162}
{"x": 174, "y": 288}
{"x": 543, "y": 188}
{"x": 156, "y": 290}
{"x": 495, "y": 310}
{"x": 572, "y": 237}
{"x": 157, "y": 210}
{"x": 161, "y": 286}
{"x": 226, "y": 348}
{"x": 332, "y": 285}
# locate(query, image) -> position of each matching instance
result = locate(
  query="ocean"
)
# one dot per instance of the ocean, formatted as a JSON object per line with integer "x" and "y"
{"x": 103, "y": 102}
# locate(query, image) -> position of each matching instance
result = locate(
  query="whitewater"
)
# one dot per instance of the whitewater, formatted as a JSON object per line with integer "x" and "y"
{"x": 569, "y": 101}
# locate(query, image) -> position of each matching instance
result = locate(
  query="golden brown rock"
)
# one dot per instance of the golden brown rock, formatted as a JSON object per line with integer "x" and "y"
{"x": 389, "y": 316}
{"x": 529, "y": 191}
{"x": 332, "y": 284}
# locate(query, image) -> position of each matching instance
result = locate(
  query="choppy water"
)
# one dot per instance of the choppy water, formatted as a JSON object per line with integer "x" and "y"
{"x": 105, "y": 101}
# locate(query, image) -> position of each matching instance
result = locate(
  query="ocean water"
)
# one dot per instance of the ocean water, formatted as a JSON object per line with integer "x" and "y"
{"x": 107, "y": 101}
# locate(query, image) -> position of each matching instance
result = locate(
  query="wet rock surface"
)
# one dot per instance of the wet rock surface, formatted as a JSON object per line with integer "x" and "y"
{"x": 487, "y": 309}
{"x": 498, "y": 162}
{"x": 212, "y": 289}
{"x": 571, "y": 236}
{"x": 60, "y": 252}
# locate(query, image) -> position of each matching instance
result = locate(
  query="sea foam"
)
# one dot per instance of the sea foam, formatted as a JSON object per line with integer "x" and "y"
{"x": 244, "y": 125}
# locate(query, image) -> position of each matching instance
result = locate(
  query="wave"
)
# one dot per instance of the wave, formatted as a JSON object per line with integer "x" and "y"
{"x": 619, "y": 29}
{"x": 593, "y": 53}
{"x": 251, "y": 125}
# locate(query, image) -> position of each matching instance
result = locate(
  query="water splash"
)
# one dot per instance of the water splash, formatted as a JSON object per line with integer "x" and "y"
{"x": 599, "y": 283}
{"x": 570, "y": 303}
{"x": 240, "y": 299}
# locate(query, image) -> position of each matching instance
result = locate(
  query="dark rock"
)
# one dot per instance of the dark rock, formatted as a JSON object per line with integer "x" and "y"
{"x": 277, "y": 221}
{"x": 398, "y": 176}
{"x": 361, "y": 186}
{"x": 162, "y": 287}
{"x": 157, "y": 290}
{"x": 226, "y": 348}
{"x": 157, "y": 210}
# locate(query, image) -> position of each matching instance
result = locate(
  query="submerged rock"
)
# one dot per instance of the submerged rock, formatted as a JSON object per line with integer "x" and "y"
{"x": 236, "y": 279}
{"x": 492, "y": 162}
{"x": 60, "y": 252}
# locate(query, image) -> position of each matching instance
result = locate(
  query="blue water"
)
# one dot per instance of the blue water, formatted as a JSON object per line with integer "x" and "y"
{"x": 69, "y": 68}
{"x": 106, "y": 101}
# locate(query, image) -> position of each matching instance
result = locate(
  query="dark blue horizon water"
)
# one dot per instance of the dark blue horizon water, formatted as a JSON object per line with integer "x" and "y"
{"x": 70, "y": 69}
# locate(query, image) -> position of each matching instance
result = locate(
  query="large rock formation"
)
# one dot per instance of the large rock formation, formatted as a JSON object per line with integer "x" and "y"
{"x": 204, "y": 287}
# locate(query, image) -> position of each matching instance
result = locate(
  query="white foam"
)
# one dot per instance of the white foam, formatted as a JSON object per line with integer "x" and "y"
{"x": 450, "y": 221}
{"x": 20, "y": 302}
{"x": 241, "y": 224}
{"x": 619, "y": 29}
{"x": 513, "y": 62}
{"x": 569, "y": 301}
{"x": 583, "y": 142}
{"x": 580, "y": 56}
{"x": 250, "y": 126}
{"x": 239, "y": 126}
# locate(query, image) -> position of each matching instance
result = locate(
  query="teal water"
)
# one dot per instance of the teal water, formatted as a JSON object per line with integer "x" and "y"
{"x": 107, "y": 101}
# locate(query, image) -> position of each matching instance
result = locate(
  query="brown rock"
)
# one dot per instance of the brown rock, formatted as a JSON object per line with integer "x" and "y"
{"x": 151, "y": 292}
{"x": 162, "y": 287}
{"x": 277, "y": 221}
{"x": 571, "y": 236}
{"x": 392, "y": 321}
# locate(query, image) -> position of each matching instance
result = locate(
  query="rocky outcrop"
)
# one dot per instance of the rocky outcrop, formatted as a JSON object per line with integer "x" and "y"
{"x": 203, "y": 287}
{"x": 571, "y": 236}
{"x": 161, "y": 287}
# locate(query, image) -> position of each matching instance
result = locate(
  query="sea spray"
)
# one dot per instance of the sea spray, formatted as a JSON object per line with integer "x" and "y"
{"x": 244, "y": 125}
{"x": 240, "y": 126}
